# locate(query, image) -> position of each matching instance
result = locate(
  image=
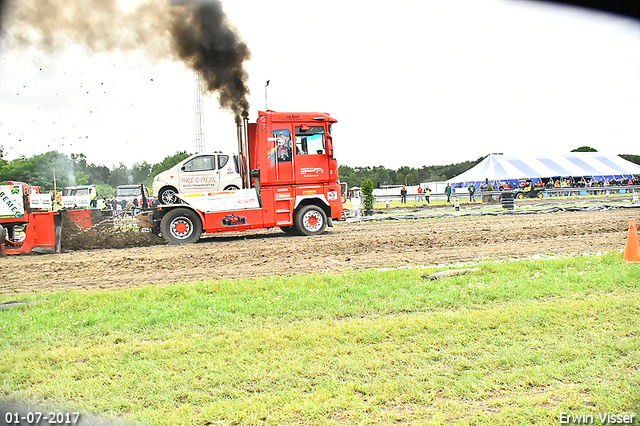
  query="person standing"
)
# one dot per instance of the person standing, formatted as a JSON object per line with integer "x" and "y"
{"x": 427, "y": 194}
{"x": 472, "y": 193}
{"x": 447, "y": 191}
{"x": 403, "y": 195}
{"x": 420, "y": 193}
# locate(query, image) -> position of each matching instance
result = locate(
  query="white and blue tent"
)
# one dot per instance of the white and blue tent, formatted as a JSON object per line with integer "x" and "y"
{"x": 508, "y": 168}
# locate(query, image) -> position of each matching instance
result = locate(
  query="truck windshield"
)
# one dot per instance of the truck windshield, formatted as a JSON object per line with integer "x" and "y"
{"x": 128, "y": 192}
{"x": 310, "y": 141}
{"x": 75, "y": 191}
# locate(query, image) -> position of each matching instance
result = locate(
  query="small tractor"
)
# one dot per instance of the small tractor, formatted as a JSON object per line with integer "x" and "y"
{"x": 528, "y": 191}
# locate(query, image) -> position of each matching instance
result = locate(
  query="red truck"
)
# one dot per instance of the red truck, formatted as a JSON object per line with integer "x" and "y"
{"x": 289, "y": 178}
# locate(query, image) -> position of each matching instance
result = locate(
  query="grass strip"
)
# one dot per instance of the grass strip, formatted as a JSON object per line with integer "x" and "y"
{"x": 517, "y": 342}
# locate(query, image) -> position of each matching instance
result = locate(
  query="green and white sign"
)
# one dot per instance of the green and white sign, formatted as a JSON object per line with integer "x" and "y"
{"x": 11, "y": 202}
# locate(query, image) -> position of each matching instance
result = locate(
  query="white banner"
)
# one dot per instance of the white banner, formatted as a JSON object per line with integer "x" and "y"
{"x": 75, "y": 201}
{"x": 40, "y": 201}
{"x": 222, "y": 201}
{"x": 11, "y": 202}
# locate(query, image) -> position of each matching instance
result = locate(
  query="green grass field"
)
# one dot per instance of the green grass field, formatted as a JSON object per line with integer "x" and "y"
{"x": 514, "y": 343}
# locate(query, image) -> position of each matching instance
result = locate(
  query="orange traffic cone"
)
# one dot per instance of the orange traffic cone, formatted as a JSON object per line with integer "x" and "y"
{"x": 632, "y": 252}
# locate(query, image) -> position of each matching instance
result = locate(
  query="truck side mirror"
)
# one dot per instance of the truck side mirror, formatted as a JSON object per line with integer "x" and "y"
{"x": 330, "y": 146}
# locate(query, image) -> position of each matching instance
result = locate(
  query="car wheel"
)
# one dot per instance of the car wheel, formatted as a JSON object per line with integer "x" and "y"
{"x": 167, "y": 196}
{"x": 231, "y": 188}
{"x": 311, "y": 220}
{"x": 540, "y": 195}
{"x": 520, "y": 196}
{"x": 181, "y": 226}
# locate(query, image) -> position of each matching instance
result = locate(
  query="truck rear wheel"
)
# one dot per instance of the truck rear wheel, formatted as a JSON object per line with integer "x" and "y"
{"x": 311, "y": 220}
{"x": 181, "y": 226}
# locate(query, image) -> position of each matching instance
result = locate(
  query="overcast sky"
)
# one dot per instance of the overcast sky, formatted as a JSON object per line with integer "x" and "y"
{"x": 410, "y": 82}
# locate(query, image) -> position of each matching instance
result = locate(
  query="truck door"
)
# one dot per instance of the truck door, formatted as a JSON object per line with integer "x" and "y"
{"x": 281, "y": 153}
{"x": 311, "y": 159}
{"x": 200, "y": 173}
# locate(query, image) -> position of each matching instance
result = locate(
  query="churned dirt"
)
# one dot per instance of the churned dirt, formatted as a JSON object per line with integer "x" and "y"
{"x": 347, "y": 246}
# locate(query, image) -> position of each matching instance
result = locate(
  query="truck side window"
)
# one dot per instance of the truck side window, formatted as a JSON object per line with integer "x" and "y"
{"x": 222, "y": 161}
{"x": 310, "y": 141}
{"x": 283, "y": 145}
{"x": 201, "y": 164}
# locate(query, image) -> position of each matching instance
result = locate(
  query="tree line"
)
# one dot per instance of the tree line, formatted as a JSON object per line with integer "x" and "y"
{"x": 381, "y": 175}
{"x": 69, "y": 170}
{"x": 74, "y": 169}
{"x": 39, "y": 170}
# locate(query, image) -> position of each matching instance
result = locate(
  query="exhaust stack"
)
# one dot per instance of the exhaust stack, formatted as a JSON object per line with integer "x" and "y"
{"x": 243, "y": 152}
{"x": 247, "y": 177}
{"x": 241, "y": 155}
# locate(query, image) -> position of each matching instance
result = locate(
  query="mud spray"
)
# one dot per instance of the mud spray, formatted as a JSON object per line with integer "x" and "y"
{"x": 105, "y": 233}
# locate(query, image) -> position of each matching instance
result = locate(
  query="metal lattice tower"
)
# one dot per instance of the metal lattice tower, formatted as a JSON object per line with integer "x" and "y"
{"x": 201, "y": 145}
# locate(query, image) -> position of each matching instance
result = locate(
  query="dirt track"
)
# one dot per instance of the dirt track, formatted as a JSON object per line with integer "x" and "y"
{"x": 347, "y": 246}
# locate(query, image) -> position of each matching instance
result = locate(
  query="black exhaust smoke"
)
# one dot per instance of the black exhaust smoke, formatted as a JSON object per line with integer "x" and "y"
{"x": 2, "y": 6}
{"x": 204, "y": 39}
{"x": 194, "y": 31}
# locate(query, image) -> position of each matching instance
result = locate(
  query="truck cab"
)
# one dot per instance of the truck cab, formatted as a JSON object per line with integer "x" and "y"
{"x": 130, "y": 194}
{"x": 200, "y": 172}
{"x": 292, "y": 148}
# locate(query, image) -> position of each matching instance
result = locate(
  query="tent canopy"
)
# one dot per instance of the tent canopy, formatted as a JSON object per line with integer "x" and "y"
{"x": 575, "y": 164}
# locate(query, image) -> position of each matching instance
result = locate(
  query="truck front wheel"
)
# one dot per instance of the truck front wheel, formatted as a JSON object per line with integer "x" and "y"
{"x": 181, "y": 226}
{"x": 311, "y": 220}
